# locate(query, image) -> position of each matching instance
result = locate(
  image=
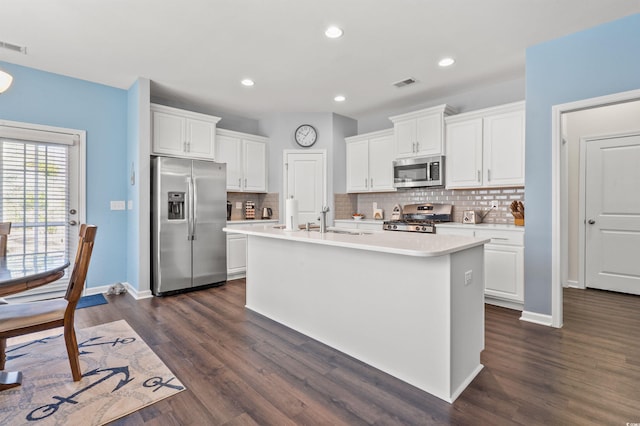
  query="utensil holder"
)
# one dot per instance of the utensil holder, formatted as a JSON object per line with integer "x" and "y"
{"x": 518, "y": 222}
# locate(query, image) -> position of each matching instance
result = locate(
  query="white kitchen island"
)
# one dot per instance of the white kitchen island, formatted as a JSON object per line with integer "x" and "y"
{"x": 396, "y": 301}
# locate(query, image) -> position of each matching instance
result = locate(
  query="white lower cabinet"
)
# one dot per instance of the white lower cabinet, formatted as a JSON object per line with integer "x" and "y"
{"x": 236, "y": 254}
{"x": 503, "y": 261}
{"x": 237, "y": 248}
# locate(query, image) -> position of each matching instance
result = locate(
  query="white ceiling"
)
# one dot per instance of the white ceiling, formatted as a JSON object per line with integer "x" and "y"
{"x": 197, "y": 51}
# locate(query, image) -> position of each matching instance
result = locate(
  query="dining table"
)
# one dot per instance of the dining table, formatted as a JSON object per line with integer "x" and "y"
{"x": 22, "y": 272}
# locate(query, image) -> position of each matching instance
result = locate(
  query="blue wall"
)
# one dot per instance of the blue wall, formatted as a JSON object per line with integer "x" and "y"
{"x": 596, "y": 62}
{"x": 49, "y": 99}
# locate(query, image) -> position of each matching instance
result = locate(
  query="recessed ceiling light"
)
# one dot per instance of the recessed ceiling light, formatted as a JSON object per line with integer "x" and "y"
{"x": 339, "y": 98}
{"x": 333, "y": 32}
{"x": 247, "y": 82}
{"x": 446, "y": 62}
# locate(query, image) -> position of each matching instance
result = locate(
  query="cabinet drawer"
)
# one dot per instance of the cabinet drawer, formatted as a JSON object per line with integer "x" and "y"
{"x": 502, "y": 237}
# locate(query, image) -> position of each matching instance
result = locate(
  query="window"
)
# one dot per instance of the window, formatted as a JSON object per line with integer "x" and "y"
{"x": 35, "y": 181}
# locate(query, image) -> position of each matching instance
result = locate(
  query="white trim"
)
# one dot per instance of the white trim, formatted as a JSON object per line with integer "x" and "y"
{"x": 145, "y": 294}
{"x": 509, "y": 304}
{"x": 571, "y": 284}
{"x": 558, "y": 234}
{"x": 38, "y": 133}
{"x": 536, "y": 318}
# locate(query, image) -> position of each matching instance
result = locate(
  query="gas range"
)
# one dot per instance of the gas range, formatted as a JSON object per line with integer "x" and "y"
{"x": 420, "y": 218}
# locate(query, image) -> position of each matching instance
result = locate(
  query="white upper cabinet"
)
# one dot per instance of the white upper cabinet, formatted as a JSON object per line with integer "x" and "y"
{"x": 183, "y": 133}
{"x": 420, "y": 133}
{"x": 370, "y": 162}
{"x": 246, "y": 158}
{"x": 486, "y": 148}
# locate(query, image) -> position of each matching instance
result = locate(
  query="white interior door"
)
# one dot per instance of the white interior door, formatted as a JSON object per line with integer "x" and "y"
{"x": 612, "y": 207}
{"x": 305, "y": 180}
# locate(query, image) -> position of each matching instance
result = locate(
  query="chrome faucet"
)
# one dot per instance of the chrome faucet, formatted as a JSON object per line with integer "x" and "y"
{"x": 323, "y": 219}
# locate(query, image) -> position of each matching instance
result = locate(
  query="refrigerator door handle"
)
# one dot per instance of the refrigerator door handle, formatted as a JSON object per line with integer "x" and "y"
{"x": 194, "y": 202}
{"x": 191, "y": 206}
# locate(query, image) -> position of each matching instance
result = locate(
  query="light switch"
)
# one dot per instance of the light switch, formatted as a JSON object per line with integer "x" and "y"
{"x": 239, "y": 205}
{"x": 117, "y": 205}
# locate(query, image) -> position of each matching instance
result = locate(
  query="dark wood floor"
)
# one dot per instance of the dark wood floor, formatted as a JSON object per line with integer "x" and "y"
{"x": 243, "y": 369}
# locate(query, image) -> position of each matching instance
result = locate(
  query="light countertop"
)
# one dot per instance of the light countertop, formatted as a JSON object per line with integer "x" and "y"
{"x": 359, "y": 221}
{"x": 250, "y": 221}
{"x": 403, "y": 243}
{"x": 477, "y": 226}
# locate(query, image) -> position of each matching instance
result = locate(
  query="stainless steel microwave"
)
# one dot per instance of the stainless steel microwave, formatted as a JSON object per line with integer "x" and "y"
{"x": 418, "y": 172}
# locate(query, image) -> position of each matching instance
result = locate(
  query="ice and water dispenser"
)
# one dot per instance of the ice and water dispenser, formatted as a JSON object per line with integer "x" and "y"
{"x": 176, "y": 205}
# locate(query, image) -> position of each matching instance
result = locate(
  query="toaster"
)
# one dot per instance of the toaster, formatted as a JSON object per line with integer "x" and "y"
{"x": 471, "y": 216}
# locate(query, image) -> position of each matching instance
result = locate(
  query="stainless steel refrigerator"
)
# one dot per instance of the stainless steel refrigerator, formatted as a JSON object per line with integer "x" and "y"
{"x": 189, "y": 199}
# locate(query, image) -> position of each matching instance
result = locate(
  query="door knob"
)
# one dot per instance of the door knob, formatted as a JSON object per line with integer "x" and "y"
{"x": 591, "y": 221}
{"x": 73, "y": 223}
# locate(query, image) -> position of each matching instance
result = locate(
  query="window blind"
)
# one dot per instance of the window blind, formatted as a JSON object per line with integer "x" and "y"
{"x": 35, "y": 195}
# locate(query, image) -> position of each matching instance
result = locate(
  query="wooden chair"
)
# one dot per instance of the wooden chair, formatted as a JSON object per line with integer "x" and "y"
{"x": 5, "y": 230}
{"x": 17, "y": 319}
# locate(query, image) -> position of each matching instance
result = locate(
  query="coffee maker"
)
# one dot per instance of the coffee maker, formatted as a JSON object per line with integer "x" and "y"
{"x": 228, "y": 210}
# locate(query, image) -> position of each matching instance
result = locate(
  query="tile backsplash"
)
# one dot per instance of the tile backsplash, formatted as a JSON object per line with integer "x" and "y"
{"x": 271, "y": 200}
{"x": 461, "y": 199}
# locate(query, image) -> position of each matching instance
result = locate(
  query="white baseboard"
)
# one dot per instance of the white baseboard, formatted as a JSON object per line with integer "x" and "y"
{"x": 503, "y": 303}
{"x": 571, "y": 284}
{"x": 536, "y": 318}
{"x": 130, "y": 290}
{"x": 96, "y": 290}
{"x": 137, "y": 294}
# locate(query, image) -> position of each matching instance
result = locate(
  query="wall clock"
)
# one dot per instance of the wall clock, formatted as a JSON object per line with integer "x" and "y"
{"x": 306, "y": 135}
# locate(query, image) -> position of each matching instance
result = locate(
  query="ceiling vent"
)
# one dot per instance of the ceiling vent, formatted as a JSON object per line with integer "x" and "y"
{"x": 405, "y": 82}
{"x": 13, "y": 47}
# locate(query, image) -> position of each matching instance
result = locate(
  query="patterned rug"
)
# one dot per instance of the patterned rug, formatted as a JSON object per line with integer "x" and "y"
{"x": 121, "y": 374}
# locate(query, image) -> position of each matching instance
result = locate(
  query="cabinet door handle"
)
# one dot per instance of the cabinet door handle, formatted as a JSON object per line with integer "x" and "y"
{"x": 371, "y": 182}
{"x": 413, "y": 147}
{"x": 184, "y": 146}
{"x": 417, "y": 146}
{"x": 488, "y": 175}
{"x": 245, "y": 182}
{"x": 478, "y": 175}
{"x": 239, "y": 182}
{"x": 366, "y": 183}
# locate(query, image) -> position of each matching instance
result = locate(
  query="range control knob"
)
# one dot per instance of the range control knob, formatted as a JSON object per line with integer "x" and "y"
{"x": 395, "y": 226}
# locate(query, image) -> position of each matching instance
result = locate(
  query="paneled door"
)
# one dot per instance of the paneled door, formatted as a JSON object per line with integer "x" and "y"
{"x": 612, "y": 207}
{"x": 305, "y": 180}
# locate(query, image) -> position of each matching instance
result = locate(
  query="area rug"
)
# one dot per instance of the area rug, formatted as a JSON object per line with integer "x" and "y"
{"x": 121, "y": 374}
{"x": 92, "y": 300}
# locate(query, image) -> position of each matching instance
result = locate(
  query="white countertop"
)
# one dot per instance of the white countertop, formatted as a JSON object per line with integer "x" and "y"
{"x": 476, "y": 226}
{"x": 403, "y": 243}
{"x": 360, "y": 221}
{"x": 249, "y": 221}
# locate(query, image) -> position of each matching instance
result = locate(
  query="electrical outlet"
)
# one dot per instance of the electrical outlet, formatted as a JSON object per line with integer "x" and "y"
{"x": 494, "y": 204}
{"x": 239, "y": 205}
{"x": 468, "y": 277}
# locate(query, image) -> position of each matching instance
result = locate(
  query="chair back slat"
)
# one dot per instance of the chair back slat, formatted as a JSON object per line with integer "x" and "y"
{"x": 86, "y": 240}
{"x": 5, "y": 230}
